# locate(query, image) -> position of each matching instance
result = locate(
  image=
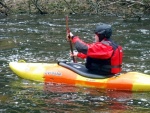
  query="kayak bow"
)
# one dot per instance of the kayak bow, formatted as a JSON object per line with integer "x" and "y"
{"x": 78, "y": 75}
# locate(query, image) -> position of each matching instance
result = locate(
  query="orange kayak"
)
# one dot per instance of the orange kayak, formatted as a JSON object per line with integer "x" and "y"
{"x": 76, "y": 74}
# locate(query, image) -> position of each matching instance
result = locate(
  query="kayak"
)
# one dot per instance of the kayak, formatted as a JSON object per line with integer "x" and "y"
{"x": 77, "y": 75}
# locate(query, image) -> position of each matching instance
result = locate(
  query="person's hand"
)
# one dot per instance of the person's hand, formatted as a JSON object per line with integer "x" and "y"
{"x": 69, "y": 36}
{"x": 75, "y": 53}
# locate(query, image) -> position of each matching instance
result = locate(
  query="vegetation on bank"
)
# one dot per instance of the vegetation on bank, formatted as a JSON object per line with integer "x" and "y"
{"x": 123, "y": 8}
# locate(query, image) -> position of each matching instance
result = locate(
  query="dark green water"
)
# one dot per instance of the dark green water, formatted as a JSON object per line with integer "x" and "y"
{"x": 37, "y": 38}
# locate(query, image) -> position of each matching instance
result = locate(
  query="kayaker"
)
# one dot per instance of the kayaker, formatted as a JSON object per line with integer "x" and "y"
{"x": 103, "y": 56}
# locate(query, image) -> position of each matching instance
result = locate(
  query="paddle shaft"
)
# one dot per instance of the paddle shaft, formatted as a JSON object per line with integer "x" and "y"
{"x": 70, "y": 40}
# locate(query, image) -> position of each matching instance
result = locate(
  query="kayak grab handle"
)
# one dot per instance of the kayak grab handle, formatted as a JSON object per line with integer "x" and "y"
{"x": 21, "y": 61}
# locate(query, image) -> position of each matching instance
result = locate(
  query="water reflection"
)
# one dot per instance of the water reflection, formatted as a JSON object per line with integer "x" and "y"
{"x": 63, "y": 98}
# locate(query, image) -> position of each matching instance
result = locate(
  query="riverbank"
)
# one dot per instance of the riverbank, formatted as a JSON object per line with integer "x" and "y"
{"x": 125, "y": 9}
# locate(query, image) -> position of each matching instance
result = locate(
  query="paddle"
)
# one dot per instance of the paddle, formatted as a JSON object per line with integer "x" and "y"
{"x": 70, "y": 40}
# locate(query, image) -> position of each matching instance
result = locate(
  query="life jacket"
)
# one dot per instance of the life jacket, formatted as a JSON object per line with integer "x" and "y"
{"x": 107, "y": 66}
{"x": 116, "y": 59}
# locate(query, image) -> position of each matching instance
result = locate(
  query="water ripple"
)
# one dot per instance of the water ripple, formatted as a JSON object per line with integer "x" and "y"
{"x": 36, "y": 38}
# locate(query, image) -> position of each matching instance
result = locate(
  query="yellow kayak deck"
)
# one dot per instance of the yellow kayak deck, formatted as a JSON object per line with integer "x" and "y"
{"x": 55, "y": 73}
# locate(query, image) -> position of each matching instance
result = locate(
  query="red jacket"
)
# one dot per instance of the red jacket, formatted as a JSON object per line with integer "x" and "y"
{"x": 105, "y": 54}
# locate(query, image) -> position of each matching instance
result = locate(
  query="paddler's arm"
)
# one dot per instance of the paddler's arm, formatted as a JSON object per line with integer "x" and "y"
{"x": 79, "y": 55}
{"x": 80, "y": 45}
{"x": 93, "y": 50}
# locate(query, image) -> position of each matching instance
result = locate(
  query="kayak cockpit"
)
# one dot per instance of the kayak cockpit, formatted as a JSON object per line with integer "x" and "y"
{"x": 82, "y": 70}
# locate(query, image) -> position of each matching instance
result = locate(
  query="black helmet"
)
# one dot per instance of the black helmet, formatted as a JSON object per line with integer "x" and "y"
{"x": 104, "y": 29}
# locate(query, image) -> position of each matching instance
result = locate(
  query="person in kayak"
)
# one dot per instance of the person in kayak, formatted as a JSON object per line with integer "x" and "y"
{"x": 103, "y": 56}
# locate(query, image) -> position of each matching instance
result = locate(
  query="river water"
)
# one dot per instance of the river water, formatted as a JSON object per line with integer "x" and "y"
{"x": 36, "y": 38}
